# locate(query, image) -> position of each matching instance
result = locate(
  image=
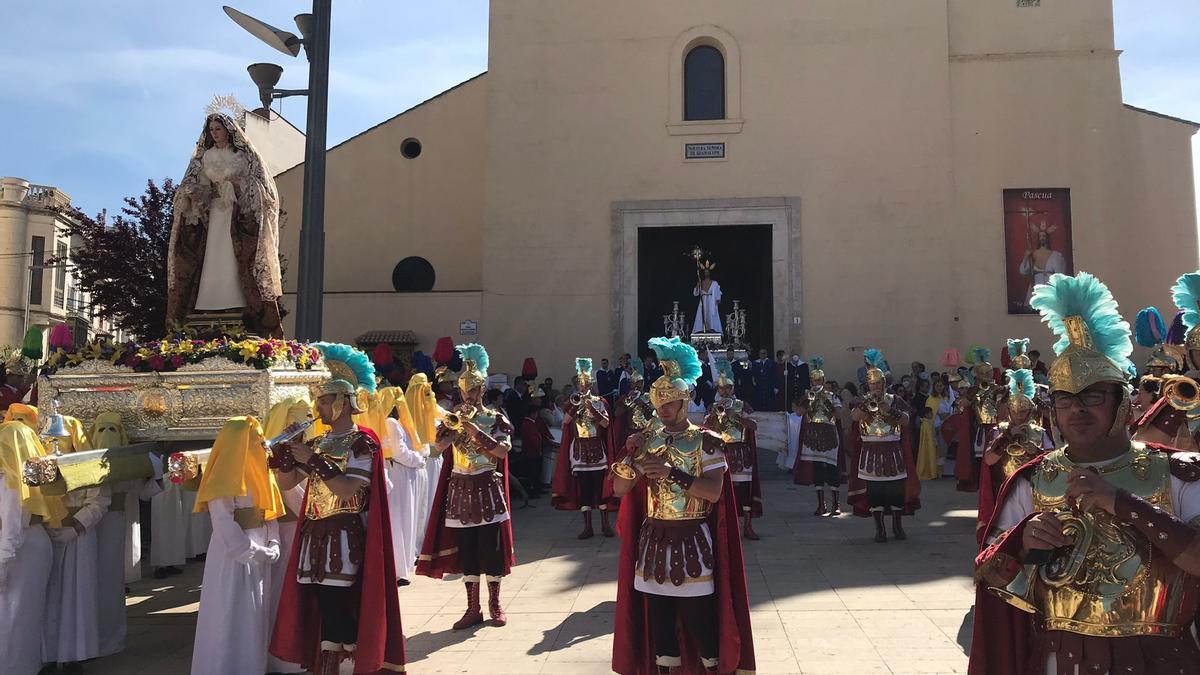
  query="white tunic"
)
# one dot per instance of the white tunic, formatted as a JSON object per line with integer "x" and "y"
{"x": 220, "y": 286}
{"x": 71, "y": 629}
{"x": 708, "y": 309}
{"x": 407, "y": 482}
{"x": 294, "y": 499}
{"x": 787, "y": 460}
{"x": 433, "y": 473}
{"x": 25, "y": 559}
{"x": 176, "y": 533}
{"x": 233, "y": 629}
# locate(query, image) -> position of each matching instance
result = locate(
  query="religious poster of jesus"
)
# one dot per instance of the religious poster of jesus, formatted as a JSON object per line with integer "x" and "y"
{"x": 1037, "y": 241}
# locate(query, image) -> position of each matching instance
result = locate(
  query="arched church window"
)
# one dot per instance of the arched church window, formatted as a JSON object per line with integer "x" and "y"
{"x": 704, "y": 84}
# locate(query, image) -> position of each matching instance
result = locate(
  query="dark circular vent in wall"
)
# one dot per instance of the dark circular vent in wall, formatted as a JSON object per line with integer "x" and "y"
{"x": 410, "y": 148}
{"x": 413, "y": 274}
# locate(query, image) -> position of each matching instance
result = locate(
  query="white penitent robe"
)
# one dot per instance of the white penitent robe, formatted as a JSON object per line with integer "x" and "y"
{"x": 116, "y": 554}
{"x": 234, "y": 625}
{"x": 71, "y": 628}
{"x": 708, "y": 309}
{"x": 25, "y": 561}
{"x": 433, "y": 472}
{"x": 787, "y": 460}
{"x": 406, "y": 489}
{"x": 294, "y": 499}
{"x": 176, "y": 533}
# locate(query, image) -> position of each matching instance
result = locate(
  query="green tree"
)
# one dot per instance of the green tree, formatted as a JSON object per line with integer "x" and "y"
{"x": 122, "y": 264}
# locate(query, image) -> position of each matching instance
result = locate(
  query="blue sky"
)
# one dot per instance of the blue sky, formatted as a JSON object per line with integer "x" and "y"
{"x": 100, "y": 96}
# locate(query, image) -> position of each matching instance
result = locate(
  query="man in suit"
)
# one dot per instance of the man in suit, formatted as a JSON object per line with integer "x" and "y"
{"x": 764, "y": 381}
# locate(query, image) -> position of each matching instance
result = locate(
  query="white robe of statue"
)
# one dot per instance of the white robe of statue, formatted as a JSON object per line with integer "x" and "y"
{"x": 71, "y": 628}
{"x": 406, "y": 488}
{"x": 220, "y": 286}
{"x": 176, "y": 533}
{"x": 25, "y": 561}
{"x": 233, "y": 629}
{"x": 1055, "y": 264}
{"x": 708, "y": 308}
{"x": 294, "y": 499}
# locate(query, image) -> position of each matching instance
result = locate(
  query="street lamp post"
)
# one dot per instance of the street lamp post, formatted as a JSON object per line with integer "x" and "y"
{"x": 314, "y": 28}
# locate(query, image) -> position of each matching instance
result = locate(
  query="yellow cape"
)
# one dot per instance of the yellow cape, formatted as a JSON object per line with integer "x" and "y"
{"x": 379, "y": 408}
{"x": 237, "y": 466}
{"x": 423, "y": 407}
{"x": 19, "y": 412}
{"x": 76, "y": 442}
{"x": 107, "y": 431}
{"x": 289, "y": 411}
{"x": 19, "y": 443}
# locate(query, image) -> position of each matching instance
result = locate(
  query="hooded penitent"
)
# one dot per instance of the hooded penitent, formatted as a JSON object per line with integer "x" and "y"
{"x": 18, "y": 444}
{"x": 237, "y": 466}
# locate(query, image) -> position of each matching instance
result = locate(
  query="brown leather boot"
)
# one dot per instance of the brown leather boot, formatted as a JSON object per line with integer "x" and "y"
{"x": 605, "y": 528}
{"x": 499, "y": 618}
{"x": 820, "y": 504}
{"x": 587, "y": 532}
{"x": 880, "y": 530}
{"x": 473, "y": 616}
{"x": 748, "y": 529}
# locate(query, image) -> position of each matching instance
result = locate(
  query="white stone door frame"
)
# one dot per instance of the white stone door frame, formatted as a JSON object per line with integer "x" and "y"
{"x": 781, "y": 213}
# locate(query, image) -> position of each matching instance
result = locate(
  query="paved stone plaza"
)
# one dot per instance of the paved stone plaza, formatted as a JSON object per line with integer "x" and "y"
{"x": 825, "y": 598}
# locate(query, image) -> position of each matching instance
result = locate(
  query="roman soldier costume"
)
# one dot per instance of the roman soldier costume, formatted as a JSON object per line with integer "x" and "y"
{"x": 982, "y": 399}
{"x": 681, "y": 584}
{"x": 339, "y": 597}
{"x": 470, "y": 526}
{"x": 730, "y": 417}
{"x": 1114, "y": 600}
{"x": 1019, "y": 439}
{"x": 819, "y": 462}
{"x": 884, "y": 480}
{"x": 585, "y": 455}
{"x": 1170, "y": 409}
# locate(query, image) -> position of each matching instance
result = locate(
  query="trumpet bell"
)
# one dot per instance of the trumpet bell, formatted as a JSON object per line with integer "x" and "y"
{"x": 1181, "y": 392}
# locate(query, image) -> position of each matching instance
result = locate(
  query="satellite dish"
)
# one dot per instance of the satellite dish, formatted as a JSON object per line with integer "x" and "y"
{"x": 282, "y": 40}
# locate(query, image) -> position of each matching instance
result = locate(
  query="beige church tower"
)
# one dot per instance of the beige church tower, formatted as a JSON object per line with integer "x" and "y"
{"x": 853, "y": 167}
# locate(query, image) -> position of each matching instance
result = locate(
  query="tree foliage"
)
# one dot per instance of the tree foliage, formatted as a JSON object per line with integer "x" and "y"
{"x": 123, "y": 263}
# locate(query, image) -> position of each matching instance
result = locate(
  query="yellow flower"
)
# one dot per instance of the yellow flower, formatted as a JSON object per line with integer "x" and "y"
{"x": 248, "y": 349}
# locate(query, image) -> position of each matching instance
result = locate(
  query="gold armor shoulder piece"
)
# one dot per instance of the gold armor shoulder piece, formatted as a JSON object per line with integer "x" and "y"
{"x": 711, "y": 442}
{"x": 363, "y": 445}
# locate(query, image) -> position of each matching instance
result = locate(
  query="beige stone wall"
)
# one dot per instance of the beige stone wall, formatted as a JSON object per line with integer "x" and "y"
{"x": 382, "y": 207}
{"x": 428, "y": 315}
{"x": 280, "y": 144}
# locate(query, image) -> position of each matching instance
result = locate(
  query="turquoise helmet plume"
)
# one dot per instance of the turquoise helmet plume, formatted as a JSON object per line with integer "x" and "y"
{"x": 1094, "y": 342}
{"x": 816, "y": 369}
{"x": 475, "y": 366}
{"x": 349, "y": 364}
{"x": 1018, "y": 353}
{"x": 1149, "y": 329}
{"x": 876, "y": 366}
{"x": 724, "y": 373}
{"x": 1186, "y": 295}
{"x": 583, "y": 370}
{"x": 638, "y": 368}
{"x": 1021, "y": 388}
{"x": 982, "y": 357}
{"x": 681, "y": 369}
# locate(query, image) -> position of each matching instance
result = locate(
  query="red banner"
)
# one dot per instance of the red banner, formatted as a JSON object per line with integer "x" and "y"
{"x": 1037, "y": 241}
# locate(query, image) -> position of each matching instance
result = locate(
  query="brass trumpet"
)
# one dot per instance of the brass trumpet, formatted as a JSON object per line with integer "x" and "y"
{"x": 454, "y": 420}
{"x": 872, "y": 403}
{"x": 1181, "y": 392}
{"x": 576, "y": 400}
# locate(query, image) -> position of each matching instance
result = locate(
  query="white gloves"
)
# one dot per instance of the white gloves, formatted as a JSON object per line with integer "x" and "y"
{"x": 259, "y": 553}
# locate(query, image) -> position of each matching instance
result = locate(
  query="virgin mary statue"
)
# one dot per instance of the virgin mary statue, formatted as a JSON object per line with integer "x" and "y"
{"x": 224, "y": 251}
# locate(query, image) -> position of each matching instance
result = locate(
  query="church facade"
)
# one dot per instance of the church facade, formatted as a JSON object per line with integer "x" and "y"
{"x": 862, "y": 173}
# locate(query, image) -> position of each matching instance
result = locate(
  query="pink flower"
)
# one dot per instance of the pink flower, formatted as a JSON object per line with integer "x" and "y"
{"x": 266, "y": 349}
{"x": 156, "y": 362}
{"x": 177, "y": 361}
{"x": 134, "y": 361}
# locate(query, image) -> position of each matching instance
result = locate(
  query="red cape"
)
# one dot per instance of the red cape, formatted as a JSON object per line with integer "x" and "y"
{"x": 856, "y": 488}
{"x": 297, "y": 635}
{"x": 802, "y": 470}
{"x": 957, "y": 431}
{"x": 439, "y": 553}
{"x": 756, "y": 506}
{"x": 564, "y": 494}
{"x": 633, "y": 651}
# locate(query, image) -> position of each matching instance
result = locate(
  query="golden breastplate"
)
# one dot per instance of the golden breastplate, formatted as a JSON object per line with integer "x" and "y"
{"x": 879, "y": 424}
{"x": 986, "y": 410}
{"x": 469, "y": 456}
{"x": 820, "y": 407}
{"x": 1023, "y": 445}
{"x": 729, "y": 414}
{"x": 1111, "y": 583}
{"x": 665, "y": 499}
{"x": 585, "y": 418}
{"x": 322, "y": 502}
